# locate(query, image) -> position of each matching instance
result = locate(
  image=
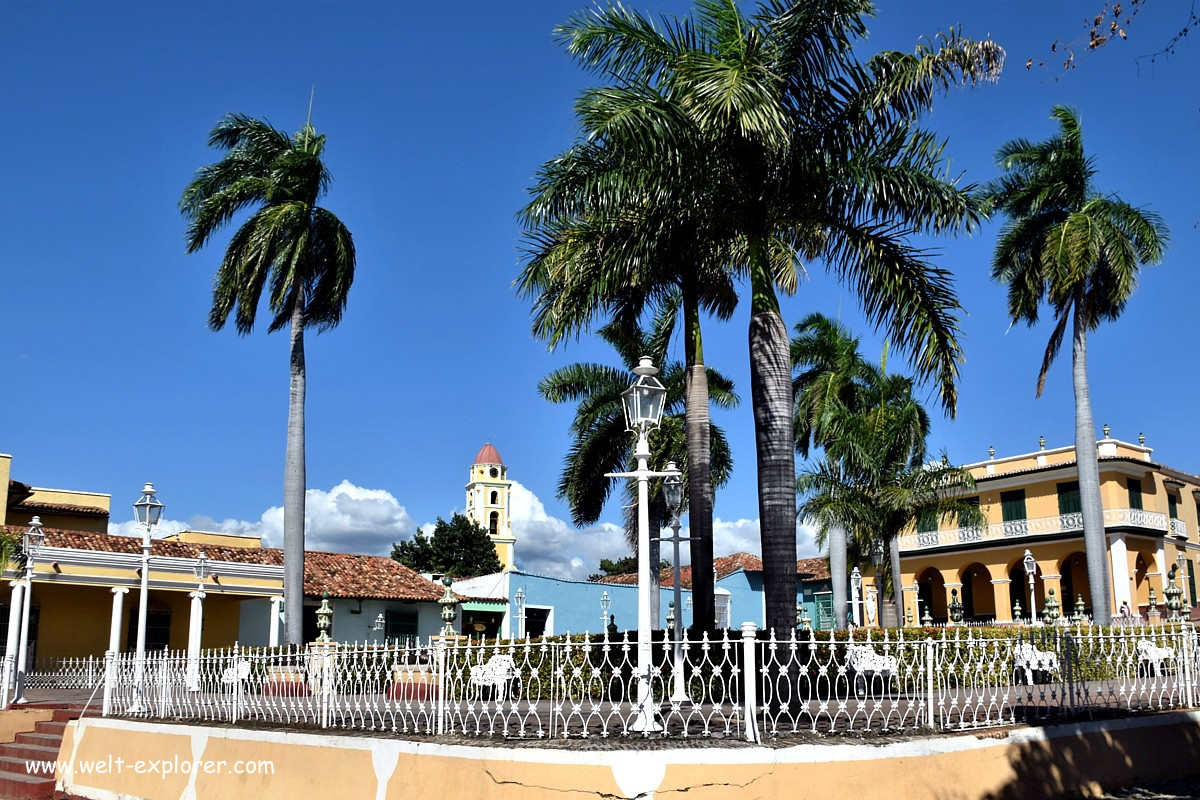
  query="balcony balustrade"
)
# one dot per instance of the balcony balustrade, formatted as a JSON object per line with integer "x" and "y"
{"x": 1039, "y": 526}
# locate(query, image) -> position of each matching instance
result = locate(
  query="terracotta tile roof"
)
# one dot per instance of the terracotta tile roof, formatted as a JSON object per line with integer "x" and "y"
{"x": 341, "y": 574}
{"x": 813, "y": 569}
{"x": 36, "y": 506}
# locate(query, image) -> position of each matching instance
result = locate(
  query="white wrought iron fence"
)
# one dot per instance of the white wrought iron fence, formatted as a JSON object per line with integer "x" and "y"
{"x": 728, "y": 686}
{"x": 65, "y": 673}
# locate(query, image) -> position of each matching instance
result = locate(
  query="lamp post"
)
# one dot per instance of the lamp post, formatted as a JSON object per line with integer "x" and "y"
{"x": 604, "y": 601}
{"x": 31, "y": 543}
{"x": 196, "y": 623}
{"x": 877, "y": 561}
{"x": 1181, "y": 567}
{"x": 673, "y": 495}
{"x": 856, "y": 599}
{"x": 519, "y": 599}
{"x": 149, "y": 511}
{"x": 643, "y": 405}
{"x": 1031, "y": 569}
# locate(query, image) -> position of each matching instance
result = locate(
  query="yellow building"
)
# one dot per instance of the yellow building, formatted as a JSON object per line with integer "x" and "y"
{"x": 1031, "y": 501}
{"x": 85, "y": 584}
{"x": 488, "y": 495}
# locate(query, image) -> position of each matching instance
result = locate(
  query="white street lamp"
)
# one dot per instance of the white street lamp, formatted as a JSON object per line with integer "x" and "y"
{"x": 1181, "y": 565}
{"x": 31, "y": 543}
{"x": 856, "y": 595}
{"x": 604, "y": 601}
{"x": 196, "y": 622}
{"x": 1031, "y": 569}
{"x": 877, "y": 561}
{"x": 149, "y": 511}
{"x": 520, "y": 601}
{"x": 673, "y": 496}
{"x": 643, "y": 405}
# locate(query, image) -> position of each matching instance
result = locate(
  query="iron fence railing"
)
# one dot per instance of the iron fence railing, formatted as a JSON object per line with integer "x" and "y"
{"x": 750, "y": 686}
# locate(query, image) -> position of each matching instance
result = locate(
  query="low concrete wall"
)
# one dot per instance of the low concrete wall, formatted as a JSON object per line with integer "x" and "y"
{"x": 147, "y": 760}
{"x": 21, "y": 720}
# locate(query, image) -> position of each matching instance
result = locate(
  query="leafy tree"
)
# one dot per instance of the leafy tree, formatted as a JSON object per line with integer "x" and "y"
{"x": 627, "y": 565}
{"x": 1081, "y": 251}
{"x": 808, "y": 153}
{"x": 458, "y": 547}
{"x": 302, "y": 250}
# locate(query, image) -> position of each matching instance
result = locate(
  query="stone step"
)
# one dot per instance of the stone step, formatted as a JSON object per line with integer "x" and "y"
{"x": 57, "y": 728}
{"x": 35, "y": 737}
{"x": 30, "y": 751}
{"x": 19, "y": 786}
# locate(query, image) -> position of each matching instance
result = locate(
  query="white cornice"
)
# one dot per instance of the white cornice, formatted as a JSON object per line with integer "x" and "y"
{"x": 103, "y": 558}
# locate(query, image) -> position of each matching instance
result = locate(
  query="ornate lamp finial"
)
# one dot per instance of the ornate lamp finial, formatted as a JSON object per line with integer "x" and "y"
{"x": 1106, "y": 430}
{"x": 991, "y": 452}
{"x": 1142, "y": 439}
{"x": 1042, "y": 442}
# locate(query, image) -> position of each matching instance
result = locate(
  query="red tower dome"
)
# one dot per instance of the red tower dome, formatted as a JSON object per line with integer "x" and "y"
{"x": 488, "y": 455}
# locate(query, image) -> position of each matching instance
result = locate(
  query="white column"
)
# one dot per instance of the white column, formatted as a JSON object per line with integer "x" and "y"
{"x": 114, "y": 629}
{"x": 195, "y": 623}
{"x": 23, "y": 644}
{"x": 273, "y": 626}
{"x": 1120, "y": 572}
{"x": 14, "y": 628}
{"x": 1160, "y": 563}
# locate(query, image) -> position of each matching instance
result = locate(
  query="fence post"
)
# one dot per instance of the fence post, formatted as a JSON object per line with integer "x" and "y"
{"x": 440, "y": 703}
{"x": 750, "y": 671}
{"x": 929, "y": 645}
{"x": 164, "y": 668}
{"x": 110, "y": 668}
{"x": 1185, "y": 638}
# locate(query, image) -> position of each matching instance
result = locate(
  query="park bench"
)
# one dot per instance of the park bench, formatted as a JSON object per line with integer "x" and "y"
{"x": 865, "y": 663}
{"x": 497, "y": 674}
{"x": 1151, "y": 657}
{"x": 1027, "y": 660}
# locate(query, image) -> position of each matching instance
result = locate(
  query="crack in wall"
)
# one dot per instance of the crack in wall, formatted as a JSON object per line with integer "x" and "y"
{"x": 640, "y": 796}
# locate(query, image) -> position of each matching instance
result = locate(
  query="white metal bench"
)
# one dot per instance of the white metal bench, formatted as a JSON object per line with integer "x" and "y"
{"x": 1028, "y": 659}
{"x": 865, "y": 663}
{"x": 1151, "y": 656}
{"x": 497, "y": 673}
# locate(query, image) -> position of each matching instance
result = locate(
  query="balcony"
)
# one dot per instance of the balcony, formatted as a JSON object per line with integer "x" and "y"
{"x": 1039, "y": 526}
{"x": 1178, "y": 528}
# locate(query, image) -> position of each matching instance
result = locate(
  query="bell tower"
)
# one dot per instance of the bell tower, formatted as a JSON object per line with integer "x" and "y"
{"x": 488, "y": 490}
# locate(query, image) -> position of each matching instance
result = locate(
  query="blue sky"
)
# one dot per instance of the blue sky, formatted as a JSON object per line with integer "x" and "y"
{"x": 437, "y": 115}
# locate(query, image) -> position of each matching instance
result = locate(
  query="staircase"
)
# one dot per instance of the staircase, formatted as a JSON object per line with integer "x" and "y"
{"x": 40, "y": 744}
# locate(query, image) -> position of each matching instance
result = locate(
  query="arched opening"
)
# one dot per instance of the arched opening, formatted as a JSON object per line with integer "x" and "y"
{"x": 1142, "y": 583}
{"x": 495, "y": 498}
{"x": 494, "y": 523}
{"x": 931, "y": 593}
{"x": 1018, "y": 587}
{"x": 978, "y": 598}
{"x": 1074, "y": 582}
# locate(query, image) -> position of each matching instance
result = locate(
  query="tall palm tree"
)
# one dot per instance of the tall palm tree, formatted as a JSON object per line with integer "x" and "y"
{"x": 302, "y": 249}
{"x": 601, "y": 442}
{"x": 810, "y": 153}
{"x": 1082, "y": 252}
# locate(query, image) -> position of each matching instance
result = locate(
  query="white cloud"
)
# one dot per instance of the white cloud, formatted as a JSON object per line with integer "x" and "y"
{"x": 347, "y": 519}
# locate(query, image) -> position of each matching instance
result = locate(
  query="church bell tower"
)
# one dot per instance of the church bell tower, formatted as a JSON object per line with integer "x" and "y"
{"x": 488, "y": 491}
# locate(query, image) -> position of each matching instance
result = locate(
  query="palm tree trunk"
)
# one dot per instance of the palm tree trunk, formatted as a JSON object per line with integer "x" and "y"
{"x": 1094, "y": 540}
{"x": 771, "y": 394}
{"x": 897, "y": 587}
{"x": 294, "y": 486}
{"x": 837, "y": 573}
{"x": 699, "y": 454}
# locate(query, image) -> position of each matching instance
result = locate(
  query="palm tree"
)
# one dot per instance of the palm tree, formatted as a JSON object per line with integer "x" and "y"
{"x": 601, "y": 441}
{"x": 599, "y": 246}
{"x": 810, "y": 153}
{"x": 874, "y": 482}
{"x": 1081, "y": 251}
{"x": 302, "y": 249}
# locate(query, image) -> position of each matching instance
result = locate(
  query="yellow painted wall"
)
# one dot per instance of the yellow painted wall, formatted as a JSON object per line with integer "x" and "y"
{"x": 5, "y": 472}
{"x": 216, "y": 539}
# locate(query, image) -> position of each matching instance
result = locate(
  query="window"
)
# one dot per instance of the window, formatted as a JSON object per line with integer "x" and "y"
{"x": 1192, "y": 582}
{"x": 495, "y": 498}
{"x": 1012, "y": 505}
{"x": 494, "y": 523}
{"x": 158, "y": 629}
{"x": 1068, "y": 498}
{"x": 926, "y": 520}
{"x": 1135, "y": 493}
{"x": 536, "y": 620}
{"x": 495, "y": 473}
{"x": 400, "y": 626}
{"x": 963, "y": 521}
{"x": 1173, "y": 506}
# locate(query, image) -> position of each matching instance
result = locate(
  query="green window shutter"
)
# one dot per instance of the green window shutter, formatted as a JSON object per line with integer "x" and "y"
{"x": 962, "y": 521}
{"x": 825, "y": 618}
{"x": 1173, "y": 506}
{"x": 1068, "y": 498}
{"x": 926, "y": 520}
{"x": 1191, "y": 581}
{"x": 1135, "y": 493}
{"x": 1012, "y": 505}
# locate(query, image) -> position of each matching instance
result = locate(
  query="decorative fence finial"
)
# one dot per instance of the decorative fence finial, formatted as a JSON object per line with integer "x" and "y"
{"x": 671, "y": 615}
{"x": 324, "y": 619}
{"x": 448, "y": 602}
{"x": 956, "y": 608}
{"x": 1079, "y": 607}
{"x": 1051, "y": 613}
{"x": 1017, "y": 610}
{"x": 1174, "y": 593}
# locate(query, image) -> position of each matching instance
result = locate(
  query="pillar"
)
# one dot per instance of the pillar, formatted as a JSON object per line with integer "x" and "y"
{"x": 1160, "y": 564}
{"x": 114, "y": 629}
{"x": 1119, "y": 556}
{"x": 16, "y": 600}
{"x": 195, "y": 624}
{"x": 1002, "y": 595}
{"x": 273, "y": 626}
